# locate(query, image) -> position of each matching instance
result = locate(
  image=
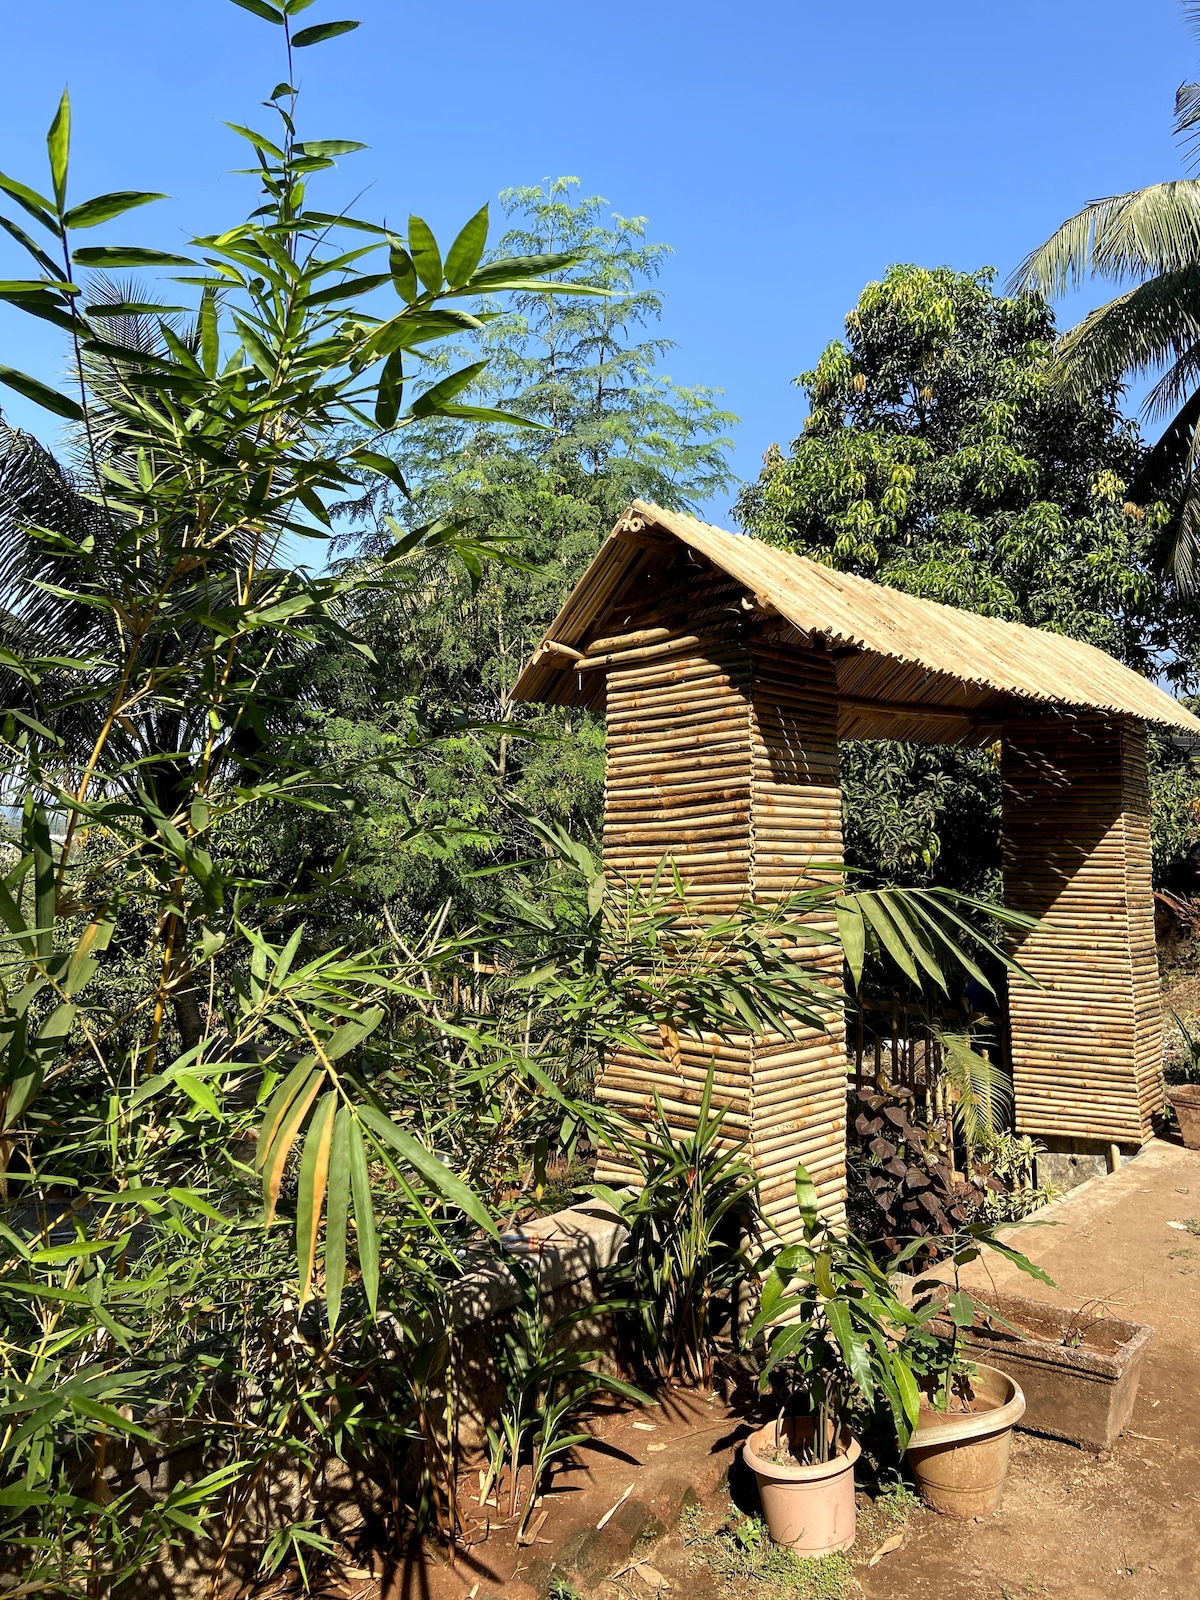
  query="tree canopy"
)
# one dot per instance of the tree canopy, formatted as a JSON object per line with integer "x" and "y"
{"x": 941, "y": 456}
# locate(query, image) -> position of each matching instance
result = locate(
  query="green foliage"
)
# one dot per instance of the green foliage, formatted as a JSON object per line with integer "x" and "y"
{"x": 937, "y": 1361}
{"x": 834, "y": 1319}
{"x": 693, "y": 1199}
{"x": 740, "y": 1552}
{"x": 449, "y": 645}
{"x": 1174, "y": 814}
{"x": 922, "y": 814}
{"x": 1146, "y": 238}
{"x": 547, "y": 1382}
{"x": 942, "y": 457}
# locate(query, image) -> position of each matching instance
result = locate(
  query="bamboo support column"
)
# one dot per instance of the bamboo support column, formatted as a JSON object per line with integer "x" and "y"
{"x": 1087, "y": 1047}
{"x": 723, "y": 754}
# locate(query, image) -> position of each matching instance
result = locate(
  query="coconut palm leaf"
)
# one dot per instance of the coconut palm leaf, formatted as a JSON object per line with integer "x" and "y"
{"x": 1136, "y": 333}
{"x": 1139, "y": 235}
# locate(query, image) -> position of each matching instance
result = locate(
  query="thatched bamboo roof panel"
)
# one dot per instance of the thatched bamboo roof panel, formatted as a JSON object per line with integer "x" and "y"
{"x": 899, "y": 650}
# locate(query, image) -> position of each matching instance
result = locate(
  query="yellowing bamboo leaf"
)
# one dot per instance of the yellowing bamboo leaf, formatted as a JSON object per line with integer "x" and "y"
{"x": 364, "y": 1216}
{"x": 310, "y": 1199}
{"x": 274, "y": 1162}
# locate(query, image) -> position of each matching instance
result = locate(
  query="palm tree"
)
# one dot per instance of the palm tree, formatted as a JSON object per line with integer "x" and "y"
{"x": 1150, "y": 236}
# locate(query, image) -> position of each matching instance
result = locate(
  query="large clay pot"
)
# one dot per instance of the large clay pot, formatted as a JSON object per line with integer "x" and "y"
{"x": 960, "y": 1459}
{"x": 1185, "y": 1102}
{"x": 809, "y": 1509}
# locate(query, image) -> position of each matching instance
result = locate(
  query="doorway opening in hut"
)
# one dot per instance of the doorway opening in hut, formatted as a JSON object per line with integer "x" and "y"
{"x": 926, "y": 815}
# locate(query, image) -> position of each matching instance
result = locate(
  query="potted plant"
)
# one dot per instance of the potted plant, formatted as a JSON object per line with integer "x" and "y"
{"x": 835, "y": 1347}
{"x": 959, "y": 1449}
{"x": 1185, "y": 1094}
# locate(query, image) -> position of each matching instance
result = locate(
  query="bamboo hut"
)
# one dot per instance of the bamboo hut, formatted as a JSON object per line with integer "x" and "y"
{"x": 728, "y": 670}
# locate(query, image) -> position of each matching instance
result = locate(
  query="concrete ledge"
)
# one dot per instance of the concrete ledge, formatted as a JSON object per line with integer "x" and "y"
{"x": 564, "y": 1249}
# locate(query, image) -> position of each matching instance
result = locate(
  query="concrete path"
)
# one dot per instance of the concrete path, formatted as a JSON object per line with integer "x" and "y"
{"x": 1072, "y": 1525}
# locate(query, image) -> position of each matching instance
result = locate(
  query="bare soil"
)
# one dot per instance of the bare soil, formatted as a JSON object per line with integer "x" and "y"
{"x": 1073, "y": 1525}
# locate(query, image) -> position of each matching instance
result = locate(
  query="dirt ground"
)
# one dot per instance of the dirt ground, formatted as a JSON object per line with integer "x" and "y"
{"x": 1071, "y": 1526}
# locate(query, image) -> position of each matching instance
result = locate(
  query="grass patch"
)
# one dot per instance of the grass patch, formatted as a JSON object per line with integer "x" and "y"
{"x": 738, "y": 1550}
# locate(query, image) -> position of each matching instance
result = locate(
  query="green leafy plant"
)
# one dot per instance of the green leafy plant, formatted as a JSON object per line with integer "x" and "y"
{"x": 837, "y": 1334}
{"x": 690, "y": 1210}
{"x": 1189, "y": 1069}
{"x": 547, "y": 1383}
{"x": 938, "y": 1362}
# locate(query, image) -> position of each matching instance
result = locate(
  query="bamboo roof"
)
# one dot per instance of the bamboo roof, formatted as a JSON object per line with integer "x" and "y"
{"x": 906, "y": 668}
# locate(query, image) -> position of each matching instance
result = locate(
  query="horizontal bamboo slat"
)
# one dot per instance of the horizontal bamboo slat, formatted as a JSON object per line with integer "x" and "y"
{"x": 1086, "y": 1049}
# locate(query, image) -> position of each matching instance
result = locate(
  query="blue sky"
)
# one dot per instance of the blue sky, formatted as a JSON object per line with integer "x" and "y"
{"x": 788, "y": 150}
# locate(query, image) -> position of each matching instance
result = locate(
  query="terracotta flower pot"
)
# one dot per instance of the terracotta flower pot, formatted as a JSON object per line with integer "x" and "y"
{"x": 960, "y": 1459}
{"x": 1185, "y": 1102}
{"x": 809, "y": 1509}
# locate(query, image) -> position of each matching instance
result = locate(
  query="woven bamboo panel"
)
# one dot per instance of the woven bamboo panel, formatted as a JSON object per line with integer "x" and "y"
{"x": 724, "y": 756}
{"x": 799, "y": 1096}
{"x": 1087, "y": 1047}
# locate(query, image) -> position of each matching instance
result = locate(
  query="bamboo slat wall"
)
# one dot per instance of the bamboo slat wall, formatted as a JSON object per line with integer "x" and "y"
{"x": 722, "y": 752}
{"x": 1087, "y": 1048}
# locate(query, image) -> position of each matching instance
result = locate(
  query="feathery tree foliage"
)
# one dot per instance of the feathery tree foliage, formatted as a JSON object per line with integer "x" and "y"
{"x": 449, "y": 646}
{"x": 238, "y": 1124}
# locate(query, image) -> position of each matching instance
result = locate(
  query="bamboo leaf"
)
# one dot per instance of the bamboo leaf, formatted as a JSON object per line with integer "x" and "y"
{"x": 320, "y": 32}
{"x": 58, "y": 143}
{"x": 337, "y": 1211}
{"x": 427, "y": 258}
{"x": 276, "y": 1157}
{"x": 434, "y": 1171}
{"x": 431, "y": 402}
{"x": 383, "y": 465}
{"x": 122, "y": 255}
{"x": 278, "y": 1107}
{"x": 48, "y": 399}
{"x": 329, "y": 147}
{"x": 467, "y": 250}
{"x": 199, "y": 1092}
{"x": 352, "y": 1032}
{"x": 90, "y": 213}
{"x": 390, "y": 392}
{"x": 260, "y": 8}
{"x": 210, "y": 339}
{"x": 36, "y": 204}
{"x": 48, "y": 265}
{"x": 364, "y": 1216}
{"x": 310, "y": 1198}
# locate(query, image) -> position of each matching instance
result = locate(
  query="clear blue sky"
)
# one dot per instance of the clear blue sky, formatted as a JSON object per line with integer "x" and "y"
{"x": 787, "y": 149}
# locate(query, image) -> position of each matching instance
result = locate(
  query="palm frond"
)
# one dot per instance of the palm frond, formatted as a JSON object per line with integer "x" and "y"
{"x": 1186, "y": 125}
{"x": 984, "y": 1094}
{"x": 1164, "y": 466}
{"x": 1135, "y": 333}
{"x": 1173, "y": 388}
{"x": 1140, "y": 234}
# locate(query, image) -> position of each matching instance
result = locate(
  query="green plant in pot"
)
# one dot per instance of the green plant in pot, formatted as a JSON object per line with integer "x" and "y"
{"x": 835, "y": 1350}
{"x": 959, "y": 1449}
{"x": 1183, "y": 1091}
